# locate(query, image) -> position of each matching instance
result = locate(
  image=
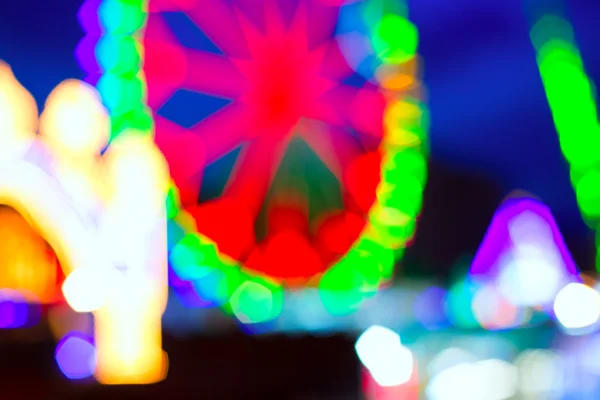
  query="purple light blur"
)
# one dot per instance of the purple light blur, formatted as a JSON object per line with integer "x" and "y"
{"x": 89, "y": 19}
{"x": 497, "y": 240}
{"x": 84, "y": 52}
{"x": 76, "y": 356}
{"x": 14, "y": 311}
{"x": 8, "y": 312}
{"x": 429, "y": 308}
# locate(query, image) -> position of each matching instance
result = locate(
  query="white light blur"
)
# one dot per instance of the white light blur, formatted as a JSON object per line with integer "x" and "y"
{"x": 449, "y": 358}
{"x": 541, "y": 374}
{"x": 382, "y": 353}
{"x": 590, "y": 355}
{"x": 86, "y": 289}
{"x": 483, "y": 380}
{"x": 74, "y": 120}
{"x": 492, "y": 310}
{"x": 137, "y": 170}
{"x": 577, "y": 306}
{"x": 533, "y": 271}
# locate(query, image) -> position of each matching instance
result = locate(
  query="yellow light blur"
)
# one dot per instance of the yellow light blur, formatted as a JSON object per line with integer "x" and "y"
{"x": 128, "y": 334}
{"x": 402, "y": 137}
{"x": 18, "y": 114}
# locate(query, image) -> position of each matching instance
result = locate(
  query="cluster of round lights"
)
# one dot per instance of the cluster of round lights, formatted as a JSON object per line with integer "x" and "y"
{"x": 392, "y": 219}
{"x": 115, "y": 29}
{"x": 571, "y": 97}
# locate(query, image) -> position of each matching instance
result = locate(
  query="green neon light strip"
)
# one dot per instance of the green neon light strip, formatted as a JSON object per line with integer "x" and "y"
{"x": 571, "y": 96}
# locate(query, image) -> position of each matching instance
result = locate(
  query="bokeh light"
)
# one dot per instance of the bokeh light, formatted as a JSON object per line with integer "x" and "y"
{"x": 577, "y": 306}
{"x": 524, "y": 256}
{"x": 253, "y": 302}
{"x": 376, "y": 33}
{"x": 382, "y": 353}
{"x": 15, "y": 312}
{"x": 74, "y": 121}
{"x": 429, "y": 308}
{"x": 571, "y": 96}
{"x": 541, "y": 374}
{"x": 459, "y": 304}
{"x": 482, "y": 380}
{"x": 76, "y": 356}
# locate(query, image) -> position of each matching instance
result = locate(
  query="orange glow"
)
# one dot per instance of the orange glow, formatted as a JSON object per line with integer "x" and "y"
{"x": 27, "y": 263}
{"x": 399, "y": 76}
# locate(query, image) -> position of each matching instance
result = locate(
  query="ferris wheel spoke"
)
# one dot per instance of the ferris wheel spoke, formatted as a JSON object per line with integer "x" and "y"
{"x": 218, "y": 22}
{"x": 164, "y": 61}
{"x": 275, "y": 21}
{"x": 252, "y": 176}
{"x": 158, "y": 94}
{"x": 365, "y": 113}
{"x": 157, "y": 29}
{"x": 158, "y": 6}
{"x": 361, "y": 108}
{"x": 187, "y": 154}
{"x": 212, "y": 74}
{"x": 327, "y": 17}
{"x": 335, "y": 66}
{"x": 339, "y": 100}
{"x": 222, "y": 132}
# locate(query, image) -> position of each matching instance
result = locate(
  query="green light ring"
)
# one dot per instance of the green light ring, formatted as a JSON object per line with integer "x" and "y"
{"x": 571, "y": 96}
{"x": 391, "y": 220}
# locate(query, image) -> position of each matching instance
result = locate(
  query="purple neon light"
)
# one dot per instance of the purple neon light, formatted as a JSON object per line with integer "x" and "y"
{"x": 76, "y": 356}
{"x": 89, "y": 19}
{"x": 497, "y": 240}
{"x": 14, "y": 310}
{"x": 84, "y": 52}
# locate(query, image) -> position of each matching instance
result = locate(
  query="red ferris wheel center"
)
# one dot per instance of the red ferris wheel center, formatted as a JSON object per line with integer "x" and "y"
{"x": 282, "y": 175}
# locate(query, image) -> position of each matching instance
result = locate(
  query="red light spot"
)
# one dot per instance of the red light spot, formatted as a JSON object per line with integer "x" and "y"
{"x": 287, "y": 217}
{"x": 366, "y": 112}
{"x": 338, "y": 232}
{"x": 362, "y": 178}
{"x": 229, "y": 223}
{"x": 165, "y": 62}
{"x": 287, "y": 255}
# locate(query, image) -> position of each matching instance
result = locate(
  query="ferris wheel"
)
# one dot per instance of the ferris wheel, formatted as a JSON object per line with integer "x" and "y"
{"x": 295, "y": 136}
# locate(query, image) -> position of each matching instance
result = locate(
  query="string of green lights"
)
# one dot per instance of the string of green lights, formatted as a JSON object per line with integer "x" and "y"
{"x": 119, "y": 53}
{"x": 571, "y": 96}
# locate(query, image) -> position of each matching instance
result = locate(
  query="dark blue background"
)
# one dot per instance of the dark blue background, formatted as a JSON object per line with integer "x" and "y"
{"x": 490, "y": 118}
